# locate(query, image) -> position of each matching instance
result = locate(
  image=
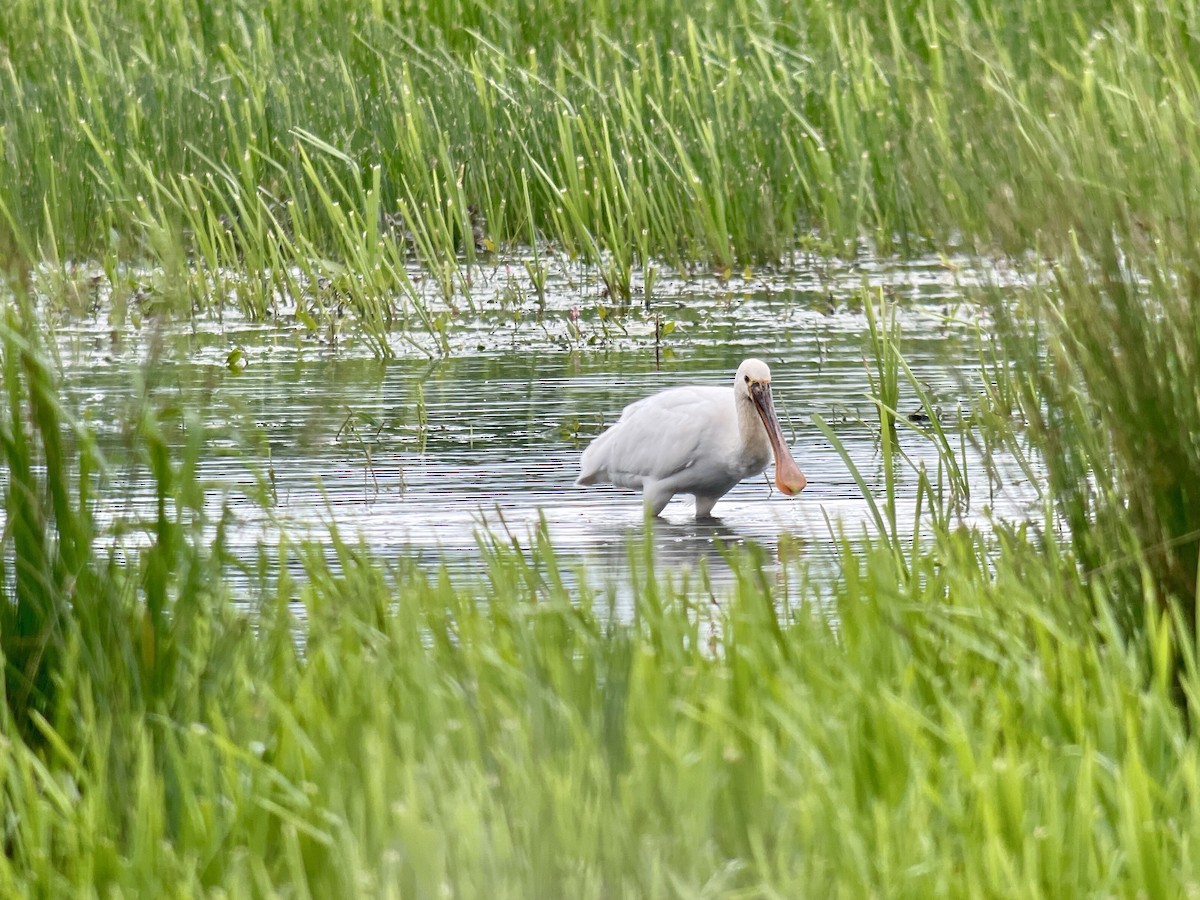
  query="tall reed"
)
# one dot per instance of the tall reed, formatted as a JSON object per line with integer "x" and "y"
{"x": 719, "y": 137}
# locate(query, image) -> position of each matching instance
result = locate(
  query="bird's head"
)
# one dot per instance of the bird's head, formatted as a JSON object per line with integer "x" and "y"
{"x": 753, "y": 375}
{"x": 753, "y": 380}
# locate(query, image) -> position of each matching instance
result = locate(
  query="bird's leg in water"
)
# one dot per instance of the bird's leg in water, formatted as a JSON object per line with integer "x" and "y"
{"x": 704, "y": 506}
{"x": 656, "y": 497}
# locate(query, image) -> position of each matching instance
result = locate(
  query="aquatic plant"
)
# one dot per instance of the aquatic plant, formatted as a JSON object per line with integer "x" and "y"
{"x": 220, "y": 132}
{"x": 1109, "y": 388}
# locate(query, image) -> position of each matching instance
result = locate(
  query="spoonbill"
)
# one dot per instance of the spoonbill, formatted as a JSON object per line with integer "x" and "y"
{"x": 698, "y": 440}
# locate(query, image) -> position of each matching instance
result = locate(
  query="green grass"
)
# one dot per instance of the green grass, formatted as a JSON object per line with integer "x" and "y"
{"x": 975, "y": 724}
{"x": 1111, "y": 395}
{"x": 201, "y": 137}
{"x": 953, "y": 734}
{"x": 972, "y": 715}
{"x": 999, "y": 711}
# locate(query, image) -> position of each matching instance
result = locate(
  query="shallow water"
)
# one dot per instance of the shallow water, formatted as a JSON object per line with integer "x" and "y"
{"x": 417, "y": 455}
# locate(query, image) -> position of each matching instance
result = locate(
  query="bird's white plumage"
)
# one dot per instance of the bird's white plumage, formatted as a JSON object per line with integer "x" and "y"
{"x": 695, "y": 440}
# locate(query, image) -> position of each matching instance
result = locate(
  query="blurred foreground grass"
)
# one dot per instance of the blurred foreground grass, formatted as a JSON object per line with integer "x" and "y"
{"x": 964, "y": 718}
{"x": 971, "y": 714}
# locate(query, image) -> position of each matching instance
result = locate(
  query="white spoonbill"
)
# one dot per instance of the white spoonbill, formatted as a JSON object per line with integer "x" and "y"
{"x": 695, "y": 440}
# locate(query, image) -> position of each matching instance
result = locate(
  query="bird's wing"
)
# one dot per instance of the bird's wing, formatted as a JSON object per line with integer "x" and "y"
{"x": 660, "y": 435}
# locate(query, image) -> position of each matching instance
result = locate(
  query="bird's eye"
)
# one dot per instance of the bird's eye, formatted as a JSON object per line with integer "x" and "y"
{"x": 747, "y": 379}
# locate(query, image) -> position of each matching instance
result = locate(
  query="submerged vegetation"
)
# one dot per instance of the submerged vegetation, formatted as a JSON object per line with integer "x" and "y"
{"x": 966, "y": 710}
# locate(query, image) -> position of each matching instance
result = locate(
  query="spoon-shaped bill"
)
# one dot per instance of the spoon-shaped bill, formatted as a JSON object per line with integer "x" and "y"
{"x": 788, "y": 477}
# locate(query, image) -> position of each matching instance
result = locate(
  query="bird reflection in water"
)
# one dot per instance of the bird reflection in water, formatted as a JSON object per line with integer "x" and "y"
{"x": 681, "y": 548}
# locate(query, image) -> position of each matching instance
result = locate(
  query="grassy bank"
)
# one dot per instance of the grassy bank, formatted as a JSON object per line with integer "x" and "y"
{"x": 943, "y": 743}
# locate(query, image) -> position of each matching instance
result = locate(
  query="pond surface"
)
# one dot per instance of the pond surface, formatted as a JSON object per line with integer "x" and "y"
{"x": 417, "y": 455}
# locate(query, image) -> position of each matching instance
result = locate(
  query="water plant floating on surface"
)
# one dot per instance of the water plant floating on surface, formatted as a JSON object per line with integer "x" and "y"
{"x": 698, "y": 440}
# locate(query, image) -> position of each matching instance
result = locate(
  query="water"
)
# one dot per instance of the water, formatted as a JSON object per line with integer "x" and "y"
{"x": 417, "y": 455}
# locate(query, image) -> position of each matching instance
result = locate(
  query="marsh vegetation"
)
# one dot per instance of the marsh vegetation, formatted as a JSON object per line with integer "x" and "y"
{"x": 422, "y": 251}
